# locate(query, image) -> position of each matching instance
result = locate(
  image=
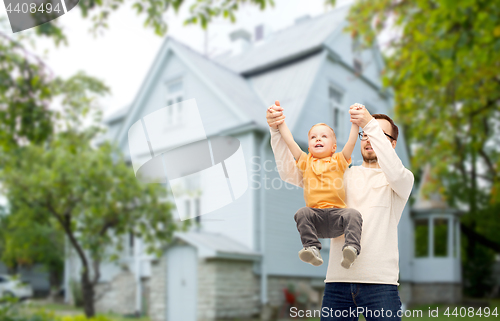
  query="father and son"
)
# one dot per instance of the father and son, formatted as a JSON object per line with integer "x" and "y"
{"x": 357, "y": 207}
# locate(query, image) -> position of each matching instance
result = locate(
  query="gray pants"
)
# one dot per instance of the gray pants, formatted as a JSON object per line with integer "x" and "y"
{"x": 314, "y": 223}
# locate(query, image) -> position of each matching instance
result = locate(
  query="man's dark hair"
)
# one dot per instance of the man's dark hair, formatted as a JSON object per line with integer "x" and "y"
{"x": 395, "y": 130}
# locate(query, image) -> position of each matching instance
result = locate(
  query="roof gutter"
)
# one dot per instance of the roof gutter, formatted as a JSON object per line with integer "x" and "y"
{"x": 282, "y": 62}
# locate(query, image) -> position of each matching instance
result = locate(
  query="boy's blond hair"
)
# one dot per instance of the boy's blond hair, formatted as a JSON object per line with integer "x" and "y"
{"x": 322, "y": 124}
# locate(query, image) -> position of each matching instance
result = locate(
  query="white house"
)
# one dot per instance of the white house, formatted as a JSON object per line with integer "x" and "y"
{"x": 241, "y": 257}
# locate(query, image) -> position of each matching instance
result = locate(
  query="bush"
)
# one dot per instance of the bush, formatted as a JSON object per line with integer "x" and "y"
{"x": 83, "y": 318}
{"x": 9, "y": 312}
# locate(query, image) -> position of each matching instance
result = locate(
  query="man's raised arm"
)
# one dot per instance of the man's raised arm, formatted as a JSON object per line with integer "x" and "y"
{"x": 285, "y": 162}
{"x": 399, "y": 177}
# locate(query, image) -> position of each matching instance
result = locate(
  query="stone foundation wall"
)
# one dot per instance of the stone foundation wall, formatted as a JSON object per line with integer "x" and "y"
{"x": 227, "y": 289}
{"x": 427, "y": 293}
{"x": 118, "y": 295}
{"x": 158, "y": 290}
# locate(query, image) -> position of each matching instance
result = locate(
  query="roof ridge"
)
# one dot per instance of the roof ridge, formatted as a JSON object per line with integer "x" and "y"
{"x": 322, "y": 15}
{"x": 204, "y": 57}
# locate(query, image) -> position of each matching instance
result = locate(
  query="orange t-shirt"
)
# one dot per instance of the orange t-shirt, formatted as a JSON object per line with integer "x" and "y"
{"x": 323, "y": 180}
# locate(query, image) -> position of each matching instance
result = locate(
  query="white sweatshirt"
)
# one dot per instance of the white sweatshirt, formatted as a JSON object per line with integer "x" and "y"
{"x": 379, "y": 194}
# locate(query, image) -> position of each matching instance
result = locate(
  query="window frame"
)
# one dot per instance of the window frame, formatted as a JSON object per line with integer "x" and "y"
{"x": 338, "y": 113}
{"x": 174, "y": 114}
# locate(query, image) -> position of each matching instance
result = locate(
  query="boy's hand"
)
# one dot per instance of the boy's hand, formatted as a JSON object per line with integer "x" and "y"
{"x": 275, "y": 115}
{"x": 359, "y": 115}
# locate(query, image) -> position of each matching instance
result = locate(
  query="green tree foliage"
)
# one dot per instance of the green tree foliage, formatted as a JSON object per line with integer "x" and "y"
{"x": 27, "y": 242}
{"x": 443, "y": 64}
{"x": 66, "y": 184}
{"x": 90, "y": 194}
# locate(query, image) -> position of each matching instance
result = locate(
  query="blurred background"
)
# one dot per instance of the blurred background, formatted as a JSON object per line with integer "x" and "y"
{"x": 81, "y": 237}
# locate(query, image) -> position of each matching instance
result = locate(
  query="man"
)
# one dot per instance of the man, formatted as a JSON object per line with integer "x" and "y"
{"x": 379, "y": 190}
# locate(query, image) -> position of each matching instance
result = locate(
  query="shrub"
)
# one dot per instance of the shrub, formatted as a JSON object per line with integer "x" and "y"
{"x": 83, "y": 318}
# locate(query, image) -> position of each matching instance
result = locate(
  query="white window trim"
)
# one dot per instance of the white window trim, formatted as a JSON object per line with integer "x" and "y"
{"x": 340, "y": 127}
{"x": 175, "y": 98}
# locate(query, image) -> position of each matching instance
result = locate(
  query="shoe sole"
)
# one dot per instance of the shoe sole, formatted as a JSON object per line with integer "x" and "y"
{"x": 309, "y": 257}
{"x": 348, "y": 258}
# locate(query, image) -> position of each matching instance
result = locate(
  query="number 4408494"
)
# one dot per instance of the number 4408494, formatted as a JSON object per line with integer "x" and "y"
{"x": 470, "y": 312}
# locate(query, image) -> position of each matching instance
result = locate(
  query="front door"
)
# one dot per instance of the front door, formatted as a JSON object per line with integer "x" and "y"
{"x": 181, "y": 283}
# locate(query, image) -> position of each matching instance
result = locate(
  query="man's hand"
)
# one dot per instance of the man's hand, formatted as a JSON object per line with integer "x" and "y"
{"x": 275, "y": 115}
{"x": 359, "y": 115}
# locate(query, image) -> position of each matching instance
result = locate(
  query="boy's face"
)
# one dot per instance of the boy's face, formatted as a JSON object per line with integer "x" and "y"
{"x": 321, "y": 142}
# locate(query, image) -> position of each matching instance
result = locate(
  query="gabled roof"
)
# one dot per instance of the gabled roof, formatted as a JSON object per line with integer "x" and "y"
{"x": 289, "y": 84}
{"x": 231, "y": 88}
{"x": 117, "y": 115}
{"x": 298, "y": 40}
{"x": 231, "y": 85}
{"x": 284, "y": 67}
{"x": 211, "y": 245}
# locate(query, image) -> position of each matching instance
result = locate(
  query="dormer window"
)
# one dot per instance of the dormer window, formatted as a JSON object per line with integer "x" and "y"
{"x": 356, "y": 54}
{"x": 173, "y": 102}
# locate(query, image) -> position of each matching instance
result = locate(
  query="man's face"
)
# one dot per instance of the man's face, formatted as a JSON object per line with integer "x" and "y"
{"x": 367, "y": 151}
{"x": 321, "y": 142}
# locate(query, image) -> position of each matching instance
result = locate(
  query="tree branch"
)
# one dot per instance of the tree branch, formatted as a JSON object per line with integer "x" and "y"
{"x": 66, "y": 224}
{"x": 470, "y": 233}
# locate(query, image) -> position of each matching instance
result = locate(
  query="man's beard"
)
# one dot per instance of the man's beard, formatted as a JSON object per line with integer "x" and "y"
{"x": 369, "y": 159}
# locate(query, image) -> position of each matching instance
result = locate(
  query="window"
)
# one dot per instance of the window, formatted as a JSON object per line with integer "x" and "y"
{"x": 421, "y": 238}
{"x": 192, "y": 208}
{"x": 174, "y": 96}
{"x": 335, "y": 99}
{"x": 356, "y": 53}
{"x": 440, "y": 237}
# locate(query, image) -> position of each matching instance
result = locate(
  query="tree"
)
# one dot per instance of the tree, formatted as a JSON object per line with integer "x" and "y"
{"x": 444, "y": 68}
{"x": 89, "y": 193}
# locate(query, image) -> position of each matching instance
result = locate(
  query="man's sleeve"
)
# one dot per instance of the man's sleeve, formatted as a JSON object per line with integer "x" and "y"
{"x": 287, "y": 168}
{"x": 400, "y": 178}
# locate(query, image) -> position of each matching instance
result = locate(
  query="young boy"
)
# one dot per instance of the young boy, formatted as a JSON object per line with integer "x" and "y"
{"x": 325, "y": 214}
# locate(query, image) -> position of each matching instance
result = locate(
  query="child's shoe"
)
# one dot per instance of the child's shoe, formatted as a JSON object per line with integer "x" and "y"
{"x": 311, "y": 255}
{"x": 349, "y": 255}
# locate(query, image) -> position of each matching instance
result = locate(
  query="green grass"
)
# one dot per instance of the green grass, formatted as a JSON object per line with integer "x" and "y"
{"x": 66, "y": 309}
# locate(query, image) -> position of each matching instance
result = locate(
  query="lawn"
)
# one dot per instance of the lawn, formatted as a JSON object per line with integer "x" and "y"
{"x": 65, "y": 309}
{"x": 420, "y": 313}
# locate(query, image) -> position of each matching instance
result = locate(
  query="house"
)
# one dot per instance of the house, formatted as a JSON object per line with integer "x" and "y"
{"x": 241, "y": 259}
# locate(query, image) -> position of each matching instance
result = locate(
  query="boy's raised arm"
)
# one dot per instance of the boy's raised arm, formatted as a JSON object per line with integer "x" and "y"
{"x": 351, "y": 142}
{"x": 290, "y": 142}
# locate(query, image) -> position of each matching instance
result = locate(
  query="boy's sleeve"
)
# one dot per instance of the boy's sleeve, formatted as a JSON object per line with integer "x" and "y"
{"x": 342, "y": 162}
{"x": 302, "y": 161}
